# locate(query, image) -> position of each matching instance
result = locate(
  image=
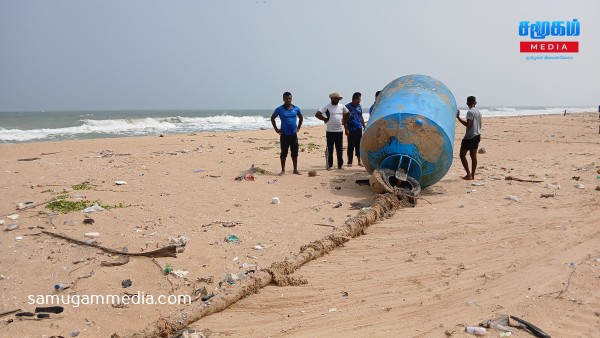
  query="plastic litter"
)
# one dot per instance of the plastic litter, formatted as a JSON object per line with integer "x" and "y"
{"x": 476, "y": 330}
{"x": 61, "y": 286}
{"x": 179, "y": 273}
{"x": 512, "y": 198}
{"x": 91, "y": 234}
{"x": 275, "y": 200}
{"x": 232, "y": 239}
{"x": 93, "y": 208}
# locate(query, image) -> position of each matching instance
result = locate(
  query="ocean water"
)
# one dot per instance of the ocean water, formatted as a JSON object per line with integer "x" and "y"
{"x": 44, "y": 126}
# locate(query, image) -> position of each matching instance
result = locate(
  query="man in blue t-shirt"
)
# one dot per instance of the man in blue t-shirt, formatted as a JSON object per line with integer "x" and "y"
{"x": 353, "y": 126}
{"x": 288, "y": 132}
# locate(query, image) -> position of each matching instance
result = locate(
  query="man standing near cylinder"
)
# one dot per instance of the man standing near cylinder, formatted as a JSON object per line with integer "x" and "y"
{"x": 354, "y": 126}
{"x": 334, "y": 114}
{"x": 472, "y": 137}
{"x": 288, "y": 133}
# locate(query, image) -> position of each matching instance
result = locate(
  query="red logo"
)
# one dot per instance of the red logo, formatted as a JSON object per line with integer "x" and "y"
{"x": 550, "y": 47}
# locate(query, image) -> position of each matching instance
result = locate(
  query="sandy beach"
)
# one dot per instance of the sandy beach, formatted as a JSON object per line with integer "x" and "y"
{"x": 464, "y": 254}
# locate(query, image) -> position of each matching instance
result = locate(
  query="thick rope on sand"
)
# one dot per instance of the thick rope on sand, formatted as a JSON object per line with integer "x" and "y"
{"x": 279, "y": 272}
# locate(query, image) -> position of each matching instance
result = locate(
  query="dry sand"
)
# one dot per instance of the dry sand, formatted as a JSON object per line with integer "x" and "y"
{"x": 464, "y": 254}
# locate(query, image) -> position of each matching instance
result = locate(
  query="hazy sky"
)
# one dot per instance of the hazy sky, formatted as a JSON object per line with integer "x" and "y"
{"x": 243, "y": 54}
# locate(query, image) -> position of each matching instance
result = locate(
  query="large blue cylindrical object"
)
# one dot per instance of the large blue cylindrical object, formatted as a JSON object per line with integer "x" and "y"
{"x": 411, "y": 129}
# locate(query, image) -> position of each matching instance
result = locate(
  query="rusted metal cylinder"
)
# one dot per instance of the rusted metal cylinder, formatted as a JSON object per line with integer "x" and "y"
{"x": 411, "y": 130}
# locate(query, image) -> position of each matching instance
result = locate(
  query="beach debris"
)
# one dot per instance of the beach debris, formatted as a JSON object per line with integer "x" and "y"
{"x": 478, "y": 184}
{"x": 93, "y": 208}
{"x": 275, "y": 200}
{"x": 598, "y": 188}
{"x": 271, "y": 181}
{"x": 50, "y": 309}
{"x": 110, "y": 153}
{"x": 13, "y": 226}
{"x": 482, "y": 150}
{"x": 207, "y": 280}
{"x": 75, "y": 333}
{"x": 179, "y": 273}
{"x": 231, "y": 278}
{"x": 536, "y": 331}
{"x": 180, "y": 242}
{"x": 126, "y": 283}
{"x": 120, "y": 182}
{"x": 23, "y": 205}
{"x": 579, "y": 186}
{"x": 248, "y": 175}
{"x": 552, "y": 186}
{"x": 2, "y": 222}
{"x": 13, "y": 216}
{"x": 61, "y": 286}
{"x": 167, "y": 270}
{"x": 476, "y": 330}
{"x": 88, "y": 220}
{"x": 6, "y": 313}
{"x": 122, "y": 260}
{"x": 576, "y": 178}
{"x": 195, "y": 171}
{"x": 259, "y": 247}
{"x": 91, "y": 234}
{"x": 499, "y": 323}
{"x": 547, "y": 195}
{"x": 18, "y": 238}
{"x": 166, "y": 251}
{"x": 359, "y": 205}
{"x": 312, "y": 173}
{"x": 29, "y": 159}
{"x": 512, "y": 198}
{"x": 232, "y": 239}
{"x": 511, "y": 178}
{"x": 337, "y": 205}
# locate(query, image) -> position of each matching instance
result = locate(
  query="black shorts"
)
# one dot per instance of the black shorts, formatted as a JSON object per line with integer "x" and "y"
{"x": 291, "y": 142}
{"x": 470, "y": 144}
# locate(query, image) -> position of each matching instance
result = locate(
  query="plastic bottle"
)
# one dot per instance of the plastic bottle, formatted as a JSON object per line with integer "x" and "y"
{"x": 61, "y": 286}
{"x": 476, "y": 330}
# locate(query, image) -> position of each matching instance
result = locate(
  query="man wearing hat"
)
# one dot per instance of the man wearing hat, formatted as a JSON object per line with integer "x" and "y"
{"x": 334, "y": 114}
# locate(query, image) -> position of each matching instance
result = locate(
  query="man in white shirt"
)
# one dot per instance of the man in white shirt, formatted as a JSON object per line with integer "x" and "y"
{"x": 470, "y": 141}
{"x": 334, "y": 114}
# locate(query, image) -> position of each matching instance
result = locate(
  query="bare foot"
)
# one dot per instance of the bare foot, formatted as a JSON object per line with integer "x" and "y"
{"x": 349, "y": 165}
{"x": 281, "y": 173}
{"x": 360, "y": 164}
{"x": 467, "y": 177}
{"x": 297, "y": 172}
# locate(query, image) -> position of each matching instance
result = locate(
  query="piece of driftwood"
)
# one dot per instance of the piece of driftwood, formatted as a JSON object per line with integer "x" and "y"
{"x": 511, "y": 178}
{"x": 384, "y": 206}
{"x": 9, "y": 312}
{"x": 166, "y": 251}
{"x": 547, "y": 195}
{"x": 29, "y": 159}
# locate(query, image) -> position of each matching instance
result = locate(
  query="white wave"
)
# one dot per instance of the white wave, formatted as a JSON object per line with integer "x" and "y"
{"x": 145, "y": 126}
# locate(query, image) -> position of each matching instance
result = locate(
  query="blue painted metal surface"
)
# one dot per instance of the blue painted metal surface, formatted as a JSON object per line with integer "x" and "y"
{"x": 411, "y": 130}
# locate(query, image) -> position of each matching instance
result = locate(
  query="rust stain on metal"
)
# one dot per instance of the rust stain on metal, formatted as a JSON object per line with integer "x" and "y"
{"x": 426, "y": 137}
